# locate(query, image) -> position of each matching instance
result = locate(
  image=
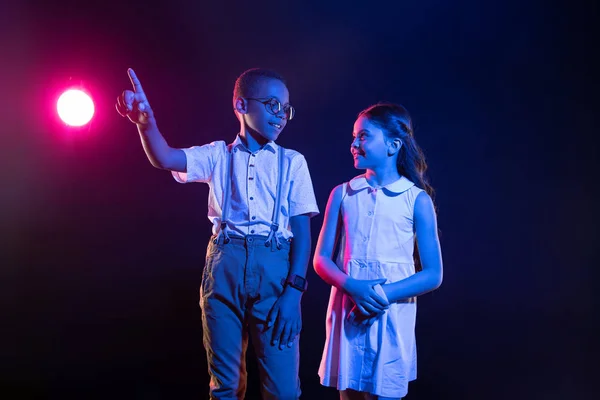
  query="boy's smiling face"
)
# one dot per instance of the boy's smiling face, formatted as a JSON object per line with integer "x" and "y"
{"x": 257, "y": 118}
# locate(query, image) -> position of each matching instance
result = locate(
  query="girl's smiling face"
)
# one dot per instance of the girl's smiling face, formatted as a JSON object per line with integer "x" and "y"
{"x": 369, "y": 145}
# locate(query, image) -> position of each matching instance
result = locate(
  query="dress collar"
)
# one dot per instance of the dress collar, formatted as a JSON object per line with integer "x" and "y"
{"x": 401, "y": 185}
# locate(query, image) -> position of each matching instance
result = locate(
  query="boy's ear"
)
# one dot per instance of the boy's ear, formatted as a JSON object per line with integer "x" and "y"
{"x": 241, "y": 105}
{"x": 394, "y": 146}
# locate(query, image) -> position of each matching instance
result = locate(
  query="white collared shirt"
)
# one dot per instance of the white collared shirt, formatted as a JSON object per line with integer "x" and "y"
{"x": 254, "y": 186}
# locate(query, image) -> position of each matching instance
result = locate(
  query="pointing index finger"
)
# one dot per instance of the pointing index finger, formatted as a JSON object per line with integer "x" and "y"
{"x": 137, "y": 85}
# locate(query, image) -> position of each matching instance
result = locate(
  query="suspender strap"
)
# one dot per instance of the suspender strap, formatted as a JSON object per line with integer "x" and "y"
{"x": 274, "y": 219}
{"x": 226, "y": 196}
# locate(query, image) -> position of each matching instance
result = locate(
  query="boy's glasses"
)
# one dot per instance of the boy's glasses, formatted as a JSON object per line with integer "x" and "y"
{"x": 273, "y": 106}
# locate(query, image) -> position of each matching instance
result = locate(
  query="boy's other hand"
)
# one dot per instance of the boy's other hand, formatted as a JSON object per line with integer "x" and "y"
{"x": 286, "y": 318}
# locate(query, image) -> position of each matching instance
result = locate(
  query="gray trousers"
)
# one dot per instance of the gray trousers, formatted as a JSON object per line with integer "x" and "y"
{"x": 240, "y": 283}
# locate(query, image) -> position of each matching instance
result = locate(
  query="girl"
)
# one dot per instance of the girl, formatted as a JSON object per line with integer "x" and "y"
{"x": 370, "y": 350}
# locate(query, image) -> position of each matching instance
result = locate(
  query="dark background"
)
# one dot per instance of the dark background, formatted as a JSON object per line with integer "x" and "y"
{"x": 102, "y": 254}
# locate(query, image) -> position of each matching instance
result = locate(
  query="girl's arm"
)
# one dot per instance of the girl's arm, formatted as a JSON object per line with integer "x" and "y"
{"x": 323, "y": 258}
{"x": 430, "y": 278}
{"x": 361, "y": 291}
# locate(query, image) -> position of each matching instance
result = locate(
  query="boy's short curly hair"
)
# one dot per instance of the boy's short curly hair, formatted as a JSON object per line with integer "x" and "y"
{"x": 247, "y": 81}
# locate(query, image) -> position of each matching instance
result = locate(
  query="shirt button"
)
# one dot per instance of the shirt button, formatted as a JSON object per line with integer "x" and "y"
{"x": 251, "y": 165}
{"x": 250, "y": 178}
{"x": 370, "y": 213}
{"x": 366, "y": 238}
{"x": 253, "y": 155}
{"x": 252, "y": 231}
{"x": 251, "y": 198}
{"x": 253, "y": 217}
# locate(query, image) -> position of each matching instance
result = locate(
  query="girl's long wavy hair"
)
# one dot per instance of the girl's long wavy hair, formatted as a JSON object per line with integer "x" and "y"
{"x": 396, "y": 123}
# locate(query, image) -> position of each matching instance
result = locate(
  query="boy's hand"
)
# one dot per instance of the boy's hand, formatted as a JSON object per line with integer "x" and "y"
{"x": 286, "y": 314}
{"x": 134, "y": 104}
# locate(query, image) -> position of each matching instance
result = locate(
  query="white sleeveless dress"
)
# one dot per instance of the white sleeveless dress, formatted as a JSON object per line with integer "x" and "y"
{"x": 377, "y": 242}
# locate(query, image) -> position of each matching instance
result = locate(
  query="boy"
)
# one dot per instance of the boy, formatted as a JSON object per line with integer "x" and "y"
{"x": 261, "y": 196}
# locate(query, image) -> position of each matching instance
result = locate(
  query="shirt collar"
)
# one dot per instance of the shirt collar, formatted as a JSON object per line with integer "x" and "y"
{"x": 401, "y": 185}
{"x": 271, "y": 145}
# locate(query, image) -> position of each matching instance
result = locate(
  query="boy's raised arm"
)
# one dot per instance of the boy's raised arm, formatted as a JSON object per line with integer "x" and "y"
{"x": 135, "y": 106}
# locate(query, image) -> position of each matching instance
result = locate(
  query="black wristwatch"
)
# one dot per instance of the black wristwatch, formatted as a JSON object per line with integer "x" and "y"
{"x": 296, "y": 281}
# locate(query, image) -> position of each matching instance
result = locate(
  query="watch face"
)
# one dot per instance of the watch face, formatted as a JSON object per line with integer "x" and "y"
{"x": 299, "y": 281}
